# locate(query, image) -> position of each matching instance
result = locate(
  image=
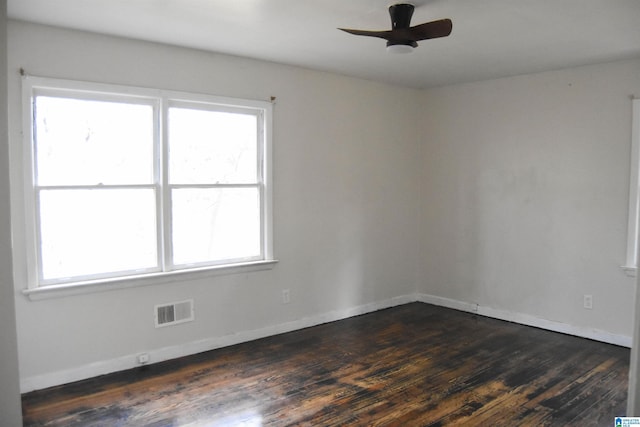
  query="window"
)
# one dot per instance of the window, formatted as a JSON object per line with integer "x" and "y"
{"x": 634, "y": 194}
{"x": 125, "y": 182}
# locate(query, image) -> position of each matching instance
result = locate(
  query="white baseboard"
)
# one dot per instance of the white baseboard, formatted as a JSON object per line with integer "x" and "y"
{"x": 528, "y": 320}
{"x": 90, "y": 370}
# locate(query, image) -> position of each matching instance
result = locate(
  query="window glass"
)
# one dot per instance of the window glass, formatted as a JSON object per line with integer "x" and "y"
{"x": 215, "y": 224}
{"x": 634, "y": 192}
{"x": 212, "y": 147}
{"x": 90, "y": 142}
{"x": 93, "y": 232}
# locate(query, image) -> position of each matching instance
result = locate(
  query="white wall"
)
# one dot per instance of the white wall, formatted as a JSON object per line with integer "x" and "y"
{"x": 345, "y": 208}
{"x": 10, "y": 409}
{"x": 525, "y": 188}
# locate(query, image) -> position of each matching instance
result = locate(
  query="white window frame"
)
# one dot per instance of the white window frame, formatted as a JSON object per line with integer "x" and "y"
{"x": 631, "y": 263}
{"x": 161, "y": 100}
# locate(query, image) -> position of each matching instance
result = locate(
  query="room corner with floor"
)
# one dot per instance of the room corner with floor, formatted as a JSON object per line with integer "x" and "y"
{"x": 414, "y": 364}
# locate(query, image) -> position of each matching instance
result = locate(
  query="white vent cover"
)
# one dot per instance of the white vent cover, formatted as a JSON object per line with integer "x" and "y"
{"x": 174, "y": 313}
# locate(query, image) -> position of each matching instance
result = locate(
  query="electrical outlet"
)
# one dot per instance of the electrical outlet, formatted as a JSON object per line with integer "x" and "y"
{"x": 286, "y": 296}
{"x": 143, "y": 359}
{"x": 588, "y": 302}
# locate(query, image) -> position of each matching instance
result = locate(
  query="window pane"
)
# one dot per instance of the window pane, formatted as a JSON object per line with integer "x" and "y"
{"x": 211, "y": 147}
{"x": 84, "y": 142}
{"x": 215, "y": 224}
{"x": 89, "y": 232}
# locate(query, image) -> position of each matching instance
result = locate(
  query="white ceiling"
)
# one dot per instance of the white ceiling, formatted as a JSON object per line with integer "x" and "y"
{"x": 490, "y": 38}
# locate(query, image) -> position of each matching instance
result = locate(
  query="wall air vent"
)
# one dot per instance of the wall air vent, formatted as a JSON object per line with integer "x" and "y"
{"x": 174, "y": 313}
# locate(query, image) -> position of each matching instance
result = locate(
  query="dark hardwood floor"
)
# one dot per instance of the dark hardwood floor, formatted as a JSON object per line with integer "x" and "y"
{"x": 413, "y": 365}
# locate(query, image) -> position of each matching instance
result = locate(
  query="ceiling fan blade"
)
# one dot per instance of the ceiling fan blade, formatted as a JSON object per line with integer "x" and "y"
{"x": 381, "y": 34}
{"x": 431, "y": 30}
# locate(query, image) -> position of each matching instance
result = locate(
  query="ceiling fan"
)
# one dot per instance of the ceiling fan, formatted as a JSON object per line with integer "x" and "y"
{"x": 402, "y": 38}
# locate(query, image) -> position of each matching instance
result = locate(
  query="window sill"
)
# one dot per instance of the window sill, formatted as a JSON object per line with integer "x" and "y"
{"x": 629, "y": 270}
{"x": 79, "y": 288}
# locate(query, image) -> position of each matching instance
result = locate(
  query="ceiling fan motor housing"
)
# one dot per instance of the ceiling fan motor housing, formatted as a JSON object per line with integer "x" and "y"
{"x": 401, "y": 20}
{"x": 401, "y": 15}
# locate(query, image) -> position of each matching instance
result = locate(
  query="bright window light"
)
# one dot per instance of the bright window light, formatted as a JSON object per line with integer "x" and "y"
{"x": 128, "y": 182}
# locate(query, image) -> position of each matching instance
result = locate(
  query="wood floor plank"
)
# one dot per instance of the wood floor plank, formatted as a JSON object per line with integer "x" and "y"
{"x": 412, "y": 365}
